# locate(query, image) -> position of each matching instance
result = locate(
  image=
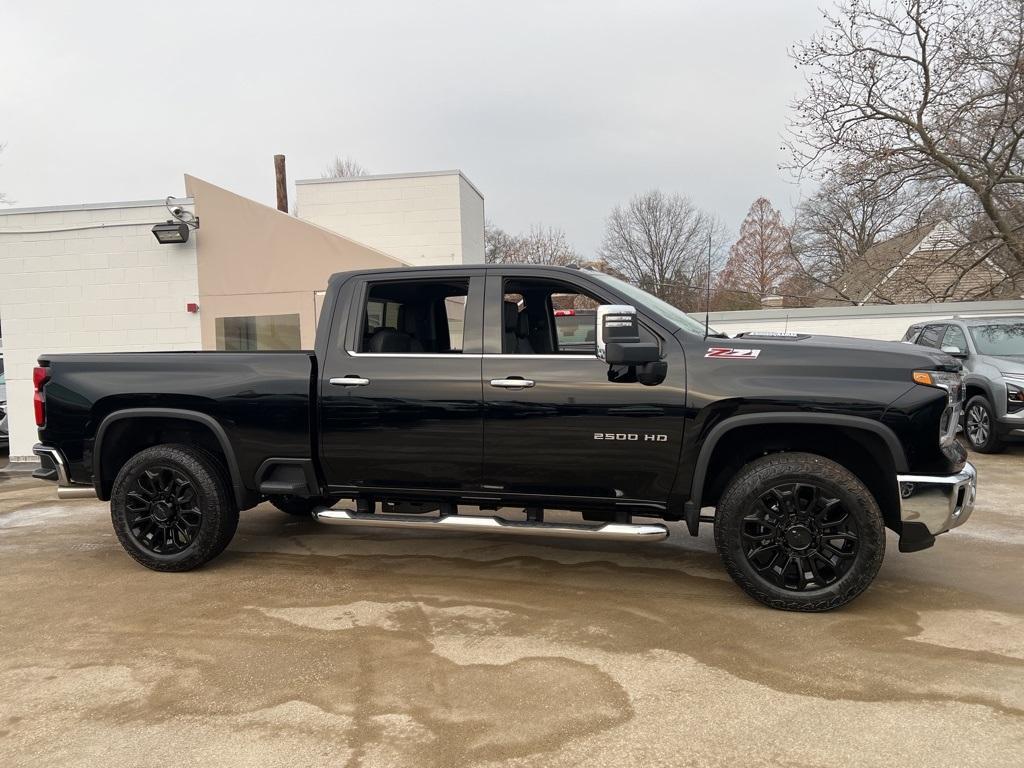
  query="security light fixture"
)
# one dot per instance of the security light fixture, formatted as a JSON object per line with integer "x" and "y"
{"x": 171, "y": 232}
{"x": 175, "y": 230}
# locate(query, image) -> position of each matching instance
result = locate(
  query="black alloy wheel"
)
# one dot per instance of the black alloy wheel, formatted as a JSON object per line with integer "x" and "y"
{"x": 799, "y": 537}
{"x": 162, "y": 511}
{"x": 172, "y": 507}
{"x": 799, "y": 532}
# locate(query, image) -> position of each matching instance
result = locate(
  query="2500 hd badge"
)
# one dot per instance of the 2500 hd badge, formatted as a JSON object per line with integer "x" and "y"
{"x": 631, "y": 436}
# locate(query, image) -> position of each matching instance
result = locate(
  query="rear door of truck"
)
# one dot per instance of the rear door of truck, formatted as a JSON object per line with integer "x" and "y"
{"x": 400, "y": 394}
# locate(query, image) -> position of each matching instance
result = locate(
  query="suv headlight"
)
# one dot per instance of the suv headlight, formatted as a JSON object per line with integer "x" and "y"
{"x": 1014, "y": 395}
{"x": 953, "y": 383}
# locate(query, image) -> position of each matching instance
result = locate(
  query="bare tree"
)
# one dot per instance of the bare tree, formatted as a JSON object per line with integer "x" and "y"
{"x": 660, "y": 243}
{"x": 343, "y": 168}
{"x": 541, "y": 245}
{"x": 924, "y": 92}
{"x": 850, "y": 212}
{"x": 759, "y": 261}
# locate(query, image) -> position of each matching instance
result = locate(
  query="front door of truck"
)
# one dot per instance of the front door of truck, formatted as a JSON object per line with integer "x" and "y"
{"x": 554, "y": 424}
{"x": 400, "y": 403}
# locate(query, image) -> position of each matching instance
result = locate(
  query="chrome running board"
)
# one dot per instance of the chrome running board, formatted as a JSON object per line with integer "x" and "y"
{"x": 468, "y": 524}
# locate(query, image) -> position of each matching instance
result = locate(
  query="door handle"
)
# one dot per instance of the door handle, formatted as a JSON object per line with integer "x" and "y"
{"x": 349, "y": 381}
{"x": 513, "y": 383}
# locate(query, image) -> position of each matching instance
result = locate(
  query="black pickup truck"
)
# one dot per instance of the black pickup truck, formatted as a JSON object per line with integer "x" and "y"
{"x": 435, "y": 389}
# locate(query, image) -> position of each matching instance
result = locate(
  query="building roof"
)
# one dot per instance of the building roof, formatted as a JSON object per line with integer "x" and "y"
{"x": 916, "y": 265}
{"x": 388, "y": 176}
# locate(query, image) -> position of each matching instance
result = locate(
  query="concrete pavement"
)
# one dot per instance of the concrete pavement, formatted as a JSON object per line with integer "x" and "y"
{"x": 310, "y": 645}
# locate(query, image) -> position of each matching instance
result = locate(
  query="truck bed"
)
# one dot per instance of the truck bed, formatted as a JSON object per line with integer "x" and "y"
{"x": 261, "y": 400}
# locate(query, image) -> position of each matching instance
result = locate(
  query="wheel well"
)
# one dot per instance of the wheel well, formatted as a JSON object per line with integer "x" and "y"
{"x": 974, "y": 389}
{"x": 124, "y": 438}
{"x": 860, "y": 451}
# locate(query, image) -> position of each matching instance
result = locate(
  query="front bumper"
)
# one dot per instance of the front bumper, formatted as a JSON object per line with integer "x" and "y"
{"x": 934, "y": 504}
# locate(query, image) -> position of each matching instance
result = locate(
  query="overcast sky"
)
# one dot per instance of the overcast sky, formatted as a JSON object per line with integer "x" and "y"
{"x": 555, "y": 110}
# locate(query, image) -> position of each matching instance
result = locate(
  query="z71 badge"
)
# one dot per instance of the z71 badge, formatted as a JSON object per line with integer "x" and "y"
{"x": 733, "y": 354}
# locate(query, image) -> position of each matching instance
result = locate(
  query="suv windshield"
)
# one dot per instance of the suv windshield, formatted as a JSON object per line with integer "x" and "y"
{"x": 663, "y": 308}
{"x": 1003, "y": 340}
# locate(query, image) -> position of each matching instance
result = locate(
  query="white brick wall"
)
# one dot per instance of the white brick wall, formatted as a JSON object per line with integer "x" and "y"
{"x": 431, "y": 218}
{"x": 109, "y": 288}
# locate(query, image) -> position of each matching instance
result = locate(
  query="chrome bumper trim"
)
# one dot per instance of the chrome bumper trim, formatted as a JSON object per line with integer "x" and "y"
{"x": 940, "y": 502}
{"x": 468, "y": 524}
{"x": 65, "y": 488}
{"x": 58, "y": 461}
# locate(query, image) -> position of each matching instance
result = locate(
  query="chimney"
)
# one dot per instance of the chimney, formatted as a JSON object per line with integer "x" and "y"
{"x": 282, "y": 183}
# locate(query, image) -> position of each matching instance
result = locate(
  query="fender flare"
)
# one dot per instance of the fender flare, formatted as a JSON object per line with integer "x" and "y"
{"x": 700, "y": 469}
{"x": 242, "y": 494}
{"x": 982, "y": 383}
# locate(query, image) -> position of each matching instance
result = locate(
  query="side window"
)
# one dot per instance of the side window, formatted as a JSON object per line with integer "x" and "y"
{"x": 911, "y": 334}
{"x": 414, "y": 316}
{"x": 261, "y": 332}
{"x": 547, "y": 317}
{"x": 955, "y": 337}
{"x": 932, "y": 336}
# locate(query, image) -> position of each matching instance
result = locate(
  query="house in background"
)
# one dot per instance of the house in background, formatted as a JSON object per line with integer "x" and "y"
{"x": 930, "y": 263}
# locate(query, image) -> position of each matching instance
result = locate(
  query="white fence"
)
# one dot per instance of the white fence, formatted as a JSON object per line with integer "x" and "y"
{"x": 885, "y": 322}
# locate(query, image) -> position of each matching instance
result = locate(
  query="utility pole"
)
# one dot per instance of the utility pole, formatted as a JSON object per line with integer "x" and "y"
{"x": 282, "y": 183}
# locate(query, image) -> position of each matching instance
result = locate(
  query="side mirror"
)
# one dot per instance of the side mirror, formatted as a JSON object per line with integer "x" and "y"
{"x": 618, "y": 337}
{"x": 955, "y": 351}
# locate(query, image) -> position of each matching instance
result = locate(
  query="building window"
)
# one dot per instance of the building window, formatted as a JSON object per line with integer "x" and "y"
{"x": 263, "y": 332}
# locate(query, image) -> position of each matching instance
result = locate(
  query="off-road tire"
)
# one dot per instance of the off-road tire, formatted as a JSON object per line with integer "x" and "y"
{"x": 301, "y": 506}
{"x": 215, "y": 501}
{"x": 761, "y": 475}
{"x": 991, "y": 443}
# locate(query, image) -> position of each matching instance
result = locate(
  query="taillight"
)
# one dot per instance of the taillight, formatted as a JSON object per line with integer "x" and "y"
{"x": 40, "y": 376}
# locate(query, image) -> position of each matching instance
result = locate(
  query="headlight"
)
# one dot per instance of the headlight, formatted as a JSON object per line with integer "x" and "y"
{"x": 1014, "y": 397}
{"x": 953, "y": 384}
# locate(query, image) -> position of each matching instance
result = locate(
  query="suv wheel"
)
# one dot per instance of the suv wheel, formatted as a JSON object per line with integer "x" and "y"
{"x": 799, "y": 532}
{"x": 172, "y": 509}
{"x": 979, "y": 426}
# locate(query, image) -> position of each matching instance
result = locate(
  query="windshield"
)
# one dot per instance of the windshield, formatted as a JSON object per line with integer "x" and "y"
{"x": 1003, "y": 340}
{"x": 663, "y": 308}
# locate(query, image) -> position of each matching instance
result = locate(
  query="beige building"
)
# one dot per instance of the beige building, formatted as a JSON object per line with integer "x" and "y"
{"x": 93, "y": 278}
{"x": 261, "y": 273}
